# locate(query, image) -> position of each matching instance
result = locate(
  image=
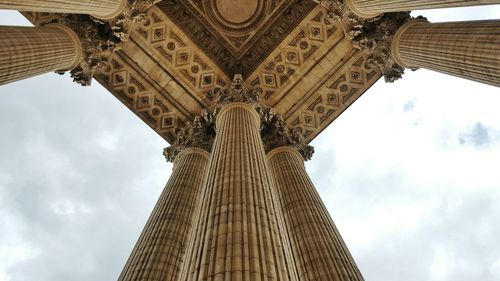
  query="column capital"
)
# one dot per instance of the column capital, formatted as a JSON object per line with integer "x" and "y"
{"x": 95, "y": 42}
{"x": 237, "y": 92}
{"x": 370, "y": 33}
{"x": 235, "y": 95}
{"x": 276, "y": 134}
{"x": 376, "y": 40}
{"x": 198, "y": 135}
{"x": 99, "y": 37}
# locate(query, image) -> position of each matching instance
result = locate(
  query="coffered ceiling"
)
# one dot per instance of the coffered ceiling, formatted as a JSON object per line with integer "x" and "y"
{"x": 237, "y": 35}
{"x": 299, "y": 59}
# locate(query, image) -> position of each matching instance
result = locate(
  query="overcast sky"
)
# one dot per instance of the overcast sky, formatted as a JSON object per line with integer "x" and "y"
{"x": 410, "y": 174}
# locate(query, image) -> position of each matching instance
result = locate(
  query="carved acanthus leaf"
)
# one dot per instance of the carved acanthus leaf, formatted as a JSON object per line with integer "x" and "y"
{"x": 275, "y": 133}
{"x": 372, "y": 35}
{"x": 237, "y": 92}
{"x": 99, "y": 37}
{"x": 197, "y": 134}
{"x": 98, "y": 41}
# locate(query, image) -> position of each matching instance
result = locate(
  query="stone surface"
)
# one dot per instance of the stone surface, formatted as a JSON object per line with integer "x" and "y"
{"x": 236, "y": 11}
{"x": 473, "y": 53}
{"x": 372, "y": 8}
{"x": 235, "y": 214}
{"x": 98, "y": 8}
{"x": 30, "y": 51}
{"x": 311, "y": 74}
{"x": 319, "y": 251}
{"x": 236, "y": 35}
{"x": 239, "y": 233}
{"x": 160, "y": 251}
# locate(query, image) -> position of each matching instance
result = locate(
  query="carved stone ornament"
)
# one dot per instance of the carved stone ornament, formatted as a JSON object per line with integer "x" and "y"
{"x": 197, "y": 134}
{"x": 275, "y": 133}
{"x": 99, "y": 37}
{"x": 371, "y": 35}
{"x": 237, "y": 92}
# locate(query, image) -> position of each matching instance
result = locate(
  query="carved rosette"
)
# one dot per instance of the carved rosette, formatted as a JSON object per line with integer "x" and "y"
{"x": 197, "y": 134}
{"x": 275, "y": 133}
{"x": 371, "y": 35}
{"x": 99, "y": 37}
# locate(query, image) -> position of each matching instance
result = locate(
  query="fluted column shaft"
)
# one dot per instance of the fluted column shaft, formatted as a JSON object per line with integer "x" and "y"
{"x": 159, "y": 252}
{"x": 29, "y": 51}
{"x": 372, "y": 8}
{"x": 464, "y": 49}
{"x": 237, "y": 234}
{"x": 319, "y": 251}
{"x": 104, "y": 9}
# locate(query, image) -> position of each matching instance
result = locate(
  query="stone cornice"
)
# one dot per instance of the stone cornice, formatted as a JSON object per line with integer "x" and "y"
{"x": 371, "y": 35}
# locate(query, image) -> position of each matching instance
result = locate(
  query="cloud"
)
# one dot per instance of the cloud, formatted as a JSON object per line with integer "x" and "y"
{"x": 79, "y": 174}
{"x": 409, "y": 106}
{"x": 478, "y": 136}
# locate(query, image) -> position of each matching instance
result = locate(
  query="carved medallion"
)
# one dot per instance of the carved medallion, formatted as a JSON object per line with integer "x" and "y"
{"x": 237, "y": 34}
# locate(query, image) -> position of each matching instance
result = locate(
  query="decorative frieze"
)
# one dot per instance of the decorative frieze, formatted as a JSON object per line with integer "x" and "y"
{"x": 296, "y": 55}
{"x": 154, "y": 105}
{"x": 326, "y": 99}
{"x": 170, "y": 48}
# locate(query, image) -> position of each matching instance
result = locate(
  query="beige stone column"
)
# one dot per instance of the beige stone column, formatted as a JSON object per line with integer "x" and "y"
{"x": 238, "y": 231}
{"x": 373, "y": 8}
{"x": 319, "y": 251}
{"x": 469, "y": 50}
{"x": 30, "y": 51}
{"x": 103, "y": 9}
{"x": 159, "y": 252}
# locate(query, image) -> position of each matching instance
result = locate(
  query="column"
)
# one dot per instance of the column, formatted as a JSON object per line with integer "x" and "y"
{"x": 104, "y": 9}
{"x": 373, "y": 8}
{"x": 30, "y": 51}
{"x": 238, "y": 231}
{"x": 319, "y": 251}
{"x": 465, "y": 49}
{"x": 159, "y": 252}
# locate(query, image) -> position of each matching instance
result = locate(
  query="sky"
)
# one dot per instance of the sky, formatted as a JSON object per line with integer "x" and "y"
{"x": 410, "y": 174}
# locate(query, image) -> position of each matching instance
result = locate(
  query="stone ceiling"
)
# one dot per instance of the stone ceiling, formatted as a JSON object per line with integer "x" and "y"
{"x": 237, "y": 35}
{"x": 299, "y": 59}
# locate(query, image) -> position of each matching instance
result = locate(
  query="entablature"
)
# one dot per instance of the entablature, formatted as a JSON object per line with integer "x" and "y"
{"x": 166, "y": 74}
